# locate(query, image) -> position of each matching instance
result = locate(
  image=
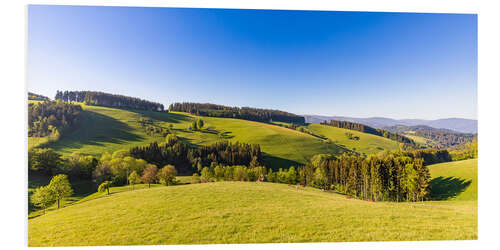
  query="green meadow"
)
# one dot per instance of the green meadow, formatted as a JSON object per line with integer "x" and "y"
{"x": 367, "y": 143}
{"x": 110, "y": 129}
{"x": 248, "y": 212}
{"x": 455, "y": 180}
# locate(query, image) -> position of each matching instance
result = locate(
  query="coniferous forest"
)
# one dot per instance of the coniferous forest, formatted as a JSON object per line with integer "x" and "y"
{"x": 246, "y": 113}
{"x": 105, "y": 99}
{"x": 189, "y": 160}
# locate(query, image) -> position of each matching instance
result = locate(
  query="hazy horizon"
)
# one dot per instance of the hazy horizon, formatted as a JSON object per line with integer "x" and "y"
{"x": 354, "y": 64}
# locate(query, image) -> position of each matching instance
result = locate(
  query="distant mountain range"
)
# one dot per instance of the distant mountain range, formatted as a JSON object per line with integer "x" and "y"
{"x": 456, "y": 124}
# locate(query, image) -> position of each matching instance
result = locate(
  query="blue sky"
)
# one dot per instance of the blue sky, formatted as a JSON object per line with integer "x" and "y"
{"x": 397, "y": 65}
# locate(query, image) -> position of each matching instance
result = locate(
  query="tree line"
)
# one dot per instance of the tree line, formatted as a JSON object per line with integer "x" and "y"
{"x": 51, "y": 118}
{"x": 245, "y": 113}
{"x": 110, "y": 100}
{"x": 37, "y": 97}
{"x": 50, "y": 163}
{"x": 188, "y": 160}
{"x": 464, "y": 151}
{"x": 390, "y": 176}
{"x": 367, "y": 129}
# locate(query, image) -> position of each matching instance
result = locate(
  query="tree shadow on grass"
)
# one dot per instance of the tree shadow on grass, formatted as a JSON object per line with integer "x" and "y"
{"x": 96, "y": 129}
{"x": 162, "y": 116}
{"x": 276, "y": 163}
{"x": 449, "y": 187}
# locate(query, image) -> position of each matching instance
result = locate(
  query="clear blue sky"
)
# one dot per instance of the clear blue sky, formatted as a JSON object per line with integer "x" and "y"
{"x": 397, "y": 65}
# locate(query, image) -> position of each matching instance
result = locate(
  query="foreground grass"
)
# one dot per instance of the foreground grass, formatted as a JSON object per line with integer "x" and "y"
{"x": 243, "y": 212}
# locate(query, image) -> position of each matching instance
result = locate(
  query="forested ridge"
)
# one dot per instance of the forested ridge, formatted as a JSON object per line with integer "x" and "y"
{"x": 51, "y": 118}
{"x": 367, "y": 129}
{"x": 106, "y": 99}
{"x": 246, "y": 113}
{"x": 37, "y": 97}
{"x": 442, "y": 137}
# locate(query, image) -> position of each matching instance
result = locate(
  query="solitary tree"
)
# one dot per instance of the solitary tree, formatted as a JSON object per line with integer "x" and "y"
{"x": 43, "y": 197}
{"x": 60, "y": 187}
{"x": 149, "y": 175}
{"x": 194, "y": 125}
{"x": 134, "y": 178}
{"x": 171, "y": 139}
{"x": 167, "y": 174}
{"x": 104, "y": 186}
{"x": 195, "y": 178}
{"x": 199, "y": 123}
{"x": 206, "y": 174}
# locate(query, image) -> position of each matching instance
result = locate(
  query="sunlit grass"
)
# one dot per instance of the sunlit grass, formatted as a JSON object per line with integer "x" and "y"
{"x": 243, "y": 212}
{"x": 367, "y": 143}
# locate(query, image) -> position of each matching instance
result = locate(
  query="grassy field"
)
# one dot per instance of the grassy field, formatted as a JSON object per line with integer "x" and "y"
{"x": 247, "y": 212}
{"x": 37, "y": 141}
{"x": 367, "y": 143}
{"x": 242, "y": 212}
{"x": 110, "y": 129}
{"x": 454, "y": 180}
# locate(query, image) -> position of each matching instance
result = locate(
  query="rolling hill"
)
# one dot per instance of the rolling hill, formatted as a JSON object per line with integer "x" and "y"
{"x": 247, "y": 212}
{"x": 367, "y": 143}
{"x": 457, "y": 124}
{"x": 454, "y": 180}
{"x": 110, "y": 129}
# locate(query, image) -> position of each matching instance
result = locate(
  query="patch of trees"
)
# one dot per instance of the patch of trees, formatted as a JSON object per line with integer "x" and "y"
{"x": 464, "y": 151}
{"x": 51, "y": 118}
{"x": 48, "y": 162}
{"x": 120, "y": 169}
{"x": 429, "y": 156}
{"x": 188, "y": 160}
{"x": 153, "y": 129}
{"x": 110, "y": 100}
{"x": 350, "y": 136}
{"x": 58, "y": 189}
{"x": 388, "y": 178}
{"x": 37, "y": 97}
{"x": 230, "y": 173}
{"x": 367, "y": 129}
{"x": 245, "y": 113}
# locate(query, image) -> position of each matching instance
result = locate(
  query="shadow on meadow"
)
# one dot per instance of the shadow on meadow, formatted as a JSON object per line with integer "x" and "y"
{"x": 96, "y": 129}
{"x": 449, "y": 187}
{"x": 163, "y": 116}
{"x": 277, "y": 162}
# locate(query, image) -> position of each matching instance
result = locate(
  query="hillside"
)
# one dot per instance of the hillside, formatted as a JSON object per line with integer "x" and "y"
{"x": 454, "y": 180}
{"x": 367, "y": 143}
{"x": 457, "y": 124}
{"x": 245, "y": 212}
{"x": 110, "y": 129}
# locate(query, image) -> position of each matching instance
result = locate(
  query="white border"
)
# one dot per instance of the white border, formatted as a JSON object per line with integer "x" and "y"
{"x": 13, "y": 106}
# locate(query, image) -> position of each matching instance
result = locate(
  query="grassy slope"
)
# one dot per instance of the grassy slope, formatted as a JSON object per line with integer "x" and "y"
{"x": 239, "y": 212}
{"x": 419, "y": 139}
{"x": 454, "y": 180}
{"x": 368, "y": 144}
{"x": 236, "y": 212}
{"x": 109, "y": 129}
{"x": 36, "y": 141}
